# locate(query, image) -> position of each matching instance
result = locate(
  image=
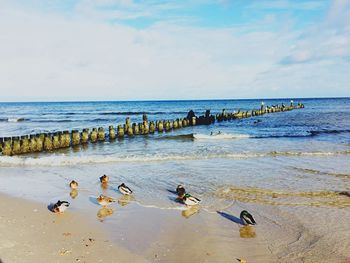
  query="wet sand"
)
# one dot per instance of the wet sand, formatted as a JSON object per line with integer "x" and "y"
{"x": 31, "y": 233}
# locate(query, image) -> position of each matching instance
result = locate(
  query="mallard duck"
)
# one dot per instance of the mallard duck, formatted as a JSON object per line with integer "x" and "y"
{"x": 105, "y": 200}
{"x": 180, "y": 190}
{"x": 73, "y": 184}
{"x": 190, "y": 200}
{"x": 60, "y": 206}
{"x": 124, "y": 189}
{"x": 247, "y": 218}
{"x": 104, "y": 179}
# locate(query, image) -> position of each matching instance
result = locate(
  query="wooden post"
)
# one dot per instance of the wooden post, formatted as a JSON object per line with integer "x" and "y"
{"x": 85, "y": 136}
{"x": 56, "y": 141}
{"x": 101, "y": 134}
{"x": 145, "y": 126}
{"x": 127, "y": 124}
{"x": 67, "y": 139}
{"x": 1, "y": 143}
{"x": 193, "y": 121}
{"x": 7, "y": 146}
{"x": 129, "y": 131}
{"x": 120, "y": 131}
{"x": 32, "y": 143}
{"x": 135, "y": 128}
{"x": 75, "y": 137}
{"x": 16, "y": 145}
{"x": 93, "y": 135}
{"x": 151, "y": 127}
{"x": 160, "y": 126}
{"x": 24, "y": 144}
{"x": 39, "y": 142}
{"x": 48, "y": 144}
{"x": 112, "y": 134}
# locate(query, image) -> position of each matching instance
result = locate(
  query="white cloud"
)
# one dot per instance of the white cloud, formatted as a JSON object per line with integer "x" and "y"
{"x": 52, "y": 57}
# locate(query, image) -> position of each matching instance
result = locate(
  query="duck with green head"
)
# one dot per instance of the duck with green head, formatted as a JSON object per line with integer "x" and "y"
{"x": 190, "y": 200}
{"x": 247, "y": 218}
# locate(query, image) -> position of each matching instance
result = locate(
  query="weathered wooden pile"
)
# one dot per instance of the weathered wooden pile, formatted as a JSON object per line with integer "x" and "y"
{"x": 53, "y": 141}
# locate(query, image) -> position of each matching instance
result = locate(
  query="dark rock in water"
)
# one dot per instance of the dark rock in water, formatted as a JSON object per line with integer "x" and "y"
{"x": 190, "y": 114}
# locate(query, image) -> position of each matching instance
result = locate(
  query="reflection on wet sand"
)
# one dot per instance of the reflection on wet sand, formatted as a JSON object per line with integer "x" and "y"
{"x": 104, "y": 186}
{"x": 104, "y": 212}
{"x": 247, "y": 232}
{"x": 74, "y": 193}
{"x": 190, "y": 212}
{"x": 125, "y": 200}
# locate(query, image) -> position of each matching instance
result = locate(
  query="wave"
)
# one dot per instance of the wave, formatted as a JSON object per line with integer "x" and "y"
{"x": 199, "y": 136}
{"x": 13, "y": 119}
{"x": 70, "y": 160}
{"x": 220, "y": 136}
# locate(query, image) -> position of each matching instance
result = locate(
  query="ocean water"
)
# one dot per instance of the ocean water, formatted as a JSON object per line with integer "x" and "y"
{"x": 304, "y": 150}
{"x": 289, "y": 169}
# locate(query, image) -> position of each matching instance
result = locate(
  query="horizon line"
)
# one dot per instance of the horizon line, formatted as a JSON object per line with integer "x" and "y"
{"x": 174, "y": 100}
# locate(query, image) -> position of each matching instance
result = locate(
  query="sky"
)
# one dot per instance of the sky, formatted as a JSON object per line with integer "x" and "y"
{"x": 163, "y": 50}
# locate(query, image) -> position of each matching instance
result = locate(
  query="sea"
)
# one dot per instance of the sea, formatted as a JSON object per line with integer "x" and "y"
{"x": 300, "y": 150}
{"x": 298, "y": 158}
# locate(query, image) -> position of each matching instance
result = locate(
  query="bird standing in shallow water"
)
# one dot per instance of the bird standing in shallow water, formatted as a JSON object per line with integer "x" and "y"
{"x": 190, "y": 200}
{"x": 124, "y": 189}
{"x": 247, "y": 219}
{"x": 60, "y": 206}
{"x": 180, "y": 190}
{"x": 73, "y": 184}
{"x": 105, "y": 200}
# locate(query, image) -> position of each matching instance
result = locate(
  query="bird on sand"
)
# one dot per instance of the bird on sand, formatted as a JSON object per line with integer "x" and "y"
{"x": 180, "y": 190}
{"x": 247, "y": 218}
{"x": 73, "y": 184}
{"x": 104, "y": 179}
{"x": 124, "y": 189}
{"x": 105, "y": 200}
{"x": 190, "y": 200}
{"x": 60, "y": 206}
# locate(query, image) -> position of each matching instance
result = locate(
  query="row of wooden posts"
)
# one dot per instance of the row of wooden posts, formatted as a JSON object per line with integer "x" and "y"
{"x": 52, "y": 141}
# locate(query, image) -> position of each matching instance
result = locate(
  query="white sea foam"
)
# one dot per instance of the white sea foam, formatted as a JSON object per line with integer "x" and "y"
{"x": 70, "y": 160}
{"x": 220, "y": 136}
{"x": 15, "y": 119}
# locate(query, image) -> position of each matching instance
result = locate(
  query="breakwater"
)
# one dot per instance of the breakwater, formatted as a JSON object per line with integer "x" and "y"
{"x": 48, "y": 142}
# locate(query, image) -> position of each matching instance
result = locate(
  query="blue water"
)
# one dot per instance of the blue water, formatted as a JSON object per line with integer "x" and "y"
{"x": 304, "y": 149}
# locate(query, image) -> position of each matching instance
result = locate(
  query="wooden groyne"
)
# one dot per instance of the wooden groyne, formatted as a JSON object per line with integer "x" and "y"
{"x": 49, "y": 142}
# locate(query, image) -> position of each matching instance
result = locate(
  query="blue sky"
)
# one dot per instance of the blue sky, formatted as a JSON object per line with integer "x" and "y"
{"x": 124, "y": 49}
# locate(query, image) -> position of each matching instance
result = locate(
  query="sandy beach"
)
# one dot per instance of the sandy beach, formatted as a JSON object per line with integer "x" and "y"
{"x": 31, "y": 233}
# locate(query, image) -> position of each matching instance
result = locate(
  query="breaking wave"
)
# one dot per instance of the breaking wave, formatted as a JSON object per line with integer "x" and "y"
{"x": 69, "y": 160}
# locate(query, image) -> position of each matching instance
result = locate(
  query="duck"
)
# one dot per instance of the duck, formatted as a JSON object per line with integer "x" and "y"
{"x": 190, "y": 200}
{"x": 105, "y": 200}
{"x": 60, "y": 206}
{"x": 124, "y": 189}
{"x": 180, "y": 190}
{"x": 247, "y": 218}
{"x": 73, "y": 184}
{"x": 104, "y": 179}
